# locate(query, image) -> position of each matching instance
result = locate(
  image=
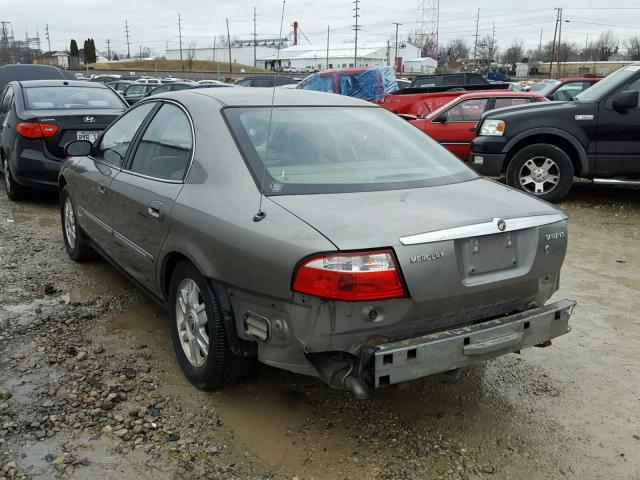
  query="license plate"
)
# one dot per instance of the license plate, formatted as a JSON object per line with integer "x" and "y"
{"x": 90, "y": 136}
{"x": 490, "y": 253}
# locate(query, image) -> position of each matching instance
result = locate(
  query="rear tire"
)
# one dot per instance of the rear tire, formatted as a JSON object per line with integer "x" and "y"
{"x": 75, "y": 241}
{"x": 542, "y": 170}
{"x": 198, "y": 332}
{"x": 15, "y": 191}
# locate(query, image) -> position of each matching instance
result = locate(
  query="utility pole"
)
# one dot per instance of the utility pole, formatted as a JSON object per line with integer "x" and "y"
{"x": 540, "y": 47}
{"x": 213, "y": 58}
{"x": 255, "y": 37}
{"x": 126, "y": 32}
{"x": 166, "y": 47}
{"x": 108, "y": 49}
{"x": 559, "y": 41}
{"x": 48, "y": 38}
{"x": 475, "y": 43}
{"x": 180, "y": 34}
{"x": 229, "y": 45}
{"x": 388, "y": 53}
{"x": 327, "y": 67}
{"x": 356, "y": 27}
{"x": 395, "y": 58}
{"x": 553, "y": 47}
{"x": 140, "y": 52}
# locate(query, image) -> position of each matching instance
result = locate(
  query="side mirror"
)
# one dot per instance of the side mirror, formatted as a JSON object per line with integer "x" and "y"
{"x": 626, "y": 100}
{"x": 440, "y": 118}
{"x": 78, "y": 148}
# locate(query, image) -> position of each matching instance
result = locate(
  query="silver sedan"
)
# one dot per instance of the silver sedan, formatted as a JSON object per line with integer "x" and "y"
{"x": 313, "y": 232}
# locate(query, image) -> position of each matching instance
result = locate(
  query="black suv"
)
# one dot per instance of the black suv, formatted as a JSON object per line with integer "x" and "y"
{"x": 542, "y": 146}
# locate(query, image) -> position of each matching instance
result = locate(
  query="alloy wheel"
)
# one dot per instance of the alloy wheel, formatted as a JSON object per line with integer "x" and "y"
{"x": 192, "y": 322}
{"x": 69, "y": 222}
{"x": 539, "y": 175}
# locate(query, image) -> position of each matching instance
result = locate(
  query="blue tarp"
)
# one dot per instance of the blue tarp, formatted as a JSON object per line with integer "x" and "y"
{"x": 372, "y": 84}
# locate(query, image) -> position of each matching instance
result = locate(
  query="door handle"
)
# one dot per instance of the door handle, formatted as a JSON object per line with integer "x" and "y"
{"x": 102, "y": 189}
{"x": 155, "y": 209}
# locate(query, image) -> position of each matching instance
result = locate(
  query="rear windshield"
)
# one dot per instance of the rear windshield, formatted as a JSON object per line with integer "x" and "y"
{"x": 59, "y": 98}
{"x": 339, "y": 149}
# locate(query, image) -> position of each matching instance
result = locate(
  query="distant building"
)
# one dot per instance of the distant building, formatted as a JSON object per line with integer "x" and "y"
{"x": 420, "y": 65}
{"x": 55, "y": 58}
{"x": 522, "y": 70}
{"x": 242, "y": 51}
{"x": 314, "y": 57}
{"x": 579, "y": 69}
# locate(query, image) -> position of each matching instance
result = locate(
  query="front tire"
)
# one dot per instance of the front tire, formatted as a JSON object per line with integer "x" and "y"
{"x": 542, "y": 170}
{"x": 198, "y": 332}
{"x": 15, "y": 191}
{"x": 75, "y": 240}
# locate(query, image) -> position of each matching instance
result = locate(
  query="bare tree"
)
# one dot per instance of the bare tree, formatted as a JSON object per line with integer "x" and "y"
{"x": 457, "y": 49}
{"x": 487, "y": 50}
{"x": 605, "y": 46}
{"x": 514, "y": 53}
{"x": 191, "y": 53}
{"x": 632, "y": 45}
{"x": 563, "y": 52}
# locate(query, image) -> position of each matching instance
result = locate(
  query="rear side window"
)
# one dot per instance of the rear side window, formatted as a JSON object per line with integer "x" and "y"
{"x": 60, "y": 98}
{"x": 511, "y": 102}
{"x": 165, "y": 149}
{"x": 7, "y": 100}
{"x": 448, "y": 80}
{"x": 115, "y": 141}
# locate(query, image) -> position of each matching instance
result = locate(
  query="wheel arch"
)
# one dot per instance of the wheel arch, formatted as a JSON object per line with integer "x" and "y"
{"x": 559, "y": 138}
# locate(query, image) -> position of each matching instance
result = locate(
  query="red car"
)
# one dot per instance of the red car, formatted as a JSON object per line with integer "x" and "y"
{"x": 453, "y": 125}
{"x": 565, "y": 89}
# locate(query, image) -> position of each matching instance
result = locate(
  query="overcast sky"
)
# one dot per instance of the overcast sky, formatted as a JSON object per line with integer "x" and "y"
{"x": 153, "y": 23}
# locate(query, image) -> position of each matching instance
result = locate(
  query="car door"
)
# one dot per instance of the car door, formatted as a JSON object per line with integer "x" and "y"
{"x": 91, "y": 186}
{"x": 455, "y": 128}
{"x": 143, "y": 194}
{"x": 618, "y": 137}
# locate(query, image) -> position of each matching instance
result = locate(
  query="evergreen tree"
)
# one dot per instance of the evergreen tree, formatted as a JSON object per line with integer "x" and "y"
{"x": 86, "y": 47}
{"x": 73, "y": 49}
{"x": 93, "y": 50}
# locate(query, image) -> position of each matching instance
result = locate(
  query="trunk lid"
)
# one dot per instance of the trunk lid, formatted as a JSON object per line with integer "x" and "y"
{"x": 88, "y": 122}
{"x": 474, "y": 256}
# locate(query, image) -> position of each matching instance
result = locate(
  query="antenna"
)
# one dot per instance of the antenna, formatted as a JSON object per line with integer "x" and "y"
{"x": 261, "y": 214}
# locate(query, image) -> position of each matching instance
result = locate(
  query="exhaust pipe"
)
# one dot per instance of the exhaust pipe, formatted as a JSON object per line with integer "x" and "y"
{"x": 337, "y": 372}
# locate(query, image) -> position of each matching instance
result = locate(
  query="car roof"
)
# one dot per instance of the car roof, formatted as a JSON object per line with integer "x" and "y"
{"x": 498, "y": 93}
{"x": 262, "y": 97}
{"x": 60, "y": 83}
{"x": 11, "y": 73}
{"x": 580, "y": 79}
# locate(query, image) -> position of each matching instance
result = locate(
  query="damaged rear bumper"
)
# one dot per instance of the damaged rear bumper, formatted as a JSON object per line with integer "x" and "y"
{"x": 412, "y": 358}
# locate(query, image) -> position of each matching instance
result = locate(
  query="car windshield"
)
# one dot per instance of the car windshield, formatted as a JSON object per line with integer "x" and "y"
{"x": 339, "y": 149}
{"x": 603, "y": 87}
{"x": 543, "y": 87}
{"x": 58, "y": 98}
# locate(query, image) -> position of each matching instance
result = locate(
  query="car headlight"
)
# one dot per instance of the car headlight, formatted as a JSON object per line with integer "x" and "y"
{"x": 492, "y": 128}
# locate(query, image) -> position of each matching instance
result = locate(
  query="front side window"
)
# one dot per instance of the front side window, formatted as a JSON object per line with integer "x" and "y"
{"x": 67, "y": 97}
{"x": 467, "y": 111}
{"x": 116, "y": 140}
{"x": 339, "y": 149}
{"x": 165, "y": 148}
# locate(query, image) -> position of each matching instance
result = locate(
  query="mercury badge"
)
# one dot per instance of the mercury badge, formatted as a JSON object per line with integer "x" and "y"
{"x": 426, "y": 258}
{"x": 501, "y": 225}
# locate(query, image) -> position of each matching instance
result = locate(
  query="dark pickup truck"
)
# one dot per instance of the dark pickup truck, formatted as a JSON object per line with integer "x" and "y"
{"x": 541, "y": 147}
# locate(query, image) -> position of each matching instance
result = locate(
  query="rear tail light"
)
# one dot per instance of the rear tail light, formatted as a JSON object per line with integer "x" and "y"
{"x": 351, "y": 276}
{"x": 36, "y": 130}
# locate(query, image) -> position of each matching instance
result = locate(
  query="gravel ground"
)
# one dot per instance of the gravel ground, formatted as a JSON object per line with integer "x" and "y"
{"x": 89, "y": 387}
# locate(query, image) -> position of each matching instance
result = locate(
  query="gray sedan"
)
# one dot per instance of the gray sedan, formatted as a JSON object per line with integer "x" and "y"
{"x": 319, "y": 234}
